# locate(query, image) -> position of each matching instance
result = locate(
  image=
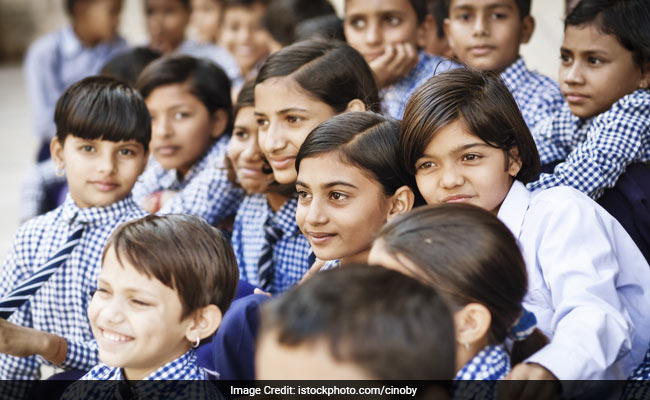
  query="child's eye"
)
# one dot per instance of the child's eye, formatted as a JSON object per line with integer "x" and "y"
{"x": 358, "y": 23}
{"x": 425, "y": 165}
{"x": 293, "y": 119}
{"x": 338, "y": 196}
{"x": 499, "y": 16}
{"x": 303, "y": 195}
{"x": 140, "y": 303}
{"x": 393, "y": 21}
{"x": 471, "y": 157}
{"x": 127, "y": 152}
{"x": 99, "y": 292}
{"x": 262, "y": 123}
{"x": 181, "y": 115}
{"x": 565, "y": 58}
{"x": 87, "y": 148}
{"x": 241, "y": 135}
{"x": 463, "y": 16}
{"x": 594, "y": 61}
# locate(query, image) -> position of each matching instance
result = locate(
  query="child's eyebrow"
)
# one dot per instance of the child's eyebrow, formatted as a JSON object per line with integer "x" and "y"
{"x": 292, "y": 109}
{"x": 301, "y": 183}
{"x": 464, "y": 147}
{"x": 337, "y": 183}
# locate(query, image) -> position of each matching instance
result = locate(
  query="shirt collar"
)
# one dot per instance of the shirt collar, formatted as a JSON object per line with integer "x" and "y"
{"x": 515, "y": 74}
{"x": 494, "y": 357}
{"x": 285, "y": 217}
{"x": 514, "y": 207}
{"x": 96, "y": 215}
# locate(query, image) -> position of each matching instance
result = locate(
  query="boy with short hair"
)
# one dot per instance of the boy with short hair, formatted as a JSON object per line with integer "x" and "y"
{"x": 67, "y": 55}
{"x": 605, "y": 74}
{"x": 434, "y": 40}
{"x": 486, "y": 35}
{"x": 206, "y": 19}
{"x": 387, "y": 33}
{"x": 103, "y": 133}
{"x": 341, "y": 324}
{"x": 164, "y": 286}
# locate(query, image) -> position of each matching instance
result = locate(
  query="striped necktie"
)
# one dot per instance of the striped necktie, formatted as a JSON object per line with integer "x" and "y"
{"x": 265, "y": 270}
{"x": 26, "y": 289}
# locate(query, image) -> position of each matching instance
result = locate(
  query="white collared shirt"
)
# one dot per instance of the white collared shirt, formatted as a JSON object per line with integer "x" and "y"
{"x": 588, "y": 283}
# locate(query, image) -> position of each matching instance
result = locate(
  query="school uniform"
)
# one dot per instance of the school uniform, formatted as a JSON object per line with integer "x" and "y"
{"x": 642, "y": 372}
{"x": 594, "y": 151}
{"x": 155, "y": 178}
{"x": 54, "y": 62}
{"x": 208, "y": 194}
{"x": 215, "y": 53}
{"x": 291, "y": 253}
{"x": 183, "y": 369}
{"x": 330, "y": 264}
{"x": 537, "y": 96}
{"x": 60, "y": 305}
{"x": 394, "y": 97}
{"x": 588, "y": 283}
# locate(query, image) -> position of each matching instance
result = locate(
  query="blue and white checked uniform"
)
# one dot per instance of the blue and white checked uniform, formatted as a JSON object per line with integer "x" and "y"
{"x": 208, "y": 194}
{"x": 291, "y": 254}
{"x": 155, "y": 178}
{"x": 490, "y": 364}
{"x": 538, "y": 96}
{"x": 595, "y": 151}
{"x": 60, "y": 306}
{"x": 330, "y": 264}
{"x": 184, "y": 368}
{"x": 395, "y": 96}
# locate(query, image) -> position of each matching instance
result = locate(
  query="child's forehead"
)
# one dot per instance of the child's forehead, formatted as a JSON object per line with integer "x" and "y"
{"x": 100, "y": 141}
{"x": 453, "y": 4}
{"x": 365, "y": 7}
{"x": 590, "y": 37}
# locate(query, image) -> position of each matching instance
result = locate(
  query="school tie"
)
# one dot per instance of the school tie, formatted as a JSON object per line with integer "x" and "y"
{"x": 265, "y": 270}
{"x": 26, "y": 289}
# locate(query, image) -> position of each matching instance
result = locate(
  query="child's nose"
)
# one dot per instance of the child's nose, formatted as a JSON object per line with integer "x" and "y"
{"x": 107, "y": 164}
{"x": 450, "y": 178}
{"x": 274, "y": 139}
{"x": 573, "y": 74}
{"x": 315, "y": 215}
{"x": 374, "y": 34}
{"x": 481, "y": 26}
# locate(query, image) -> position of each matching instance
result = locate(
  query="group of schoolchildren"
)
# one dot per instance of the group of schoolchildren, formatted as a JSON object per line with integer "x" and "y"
{"x": 397, "y": 196}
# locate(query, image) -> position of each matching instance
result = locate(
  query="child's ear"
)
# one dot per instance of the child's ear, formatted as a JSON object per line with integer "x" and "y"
{"x": 219, "y": 123}
{"x": 355, "y": 105}
{"x": 527, "y": 28}
{"x": 472, "y": 324}
{"x": 401, "y": 202}
{"x": 205, "y": 322}
{"x": 56, "y": 151}
{"x": 644, "y": 82}
{"x": 514, "y": 162}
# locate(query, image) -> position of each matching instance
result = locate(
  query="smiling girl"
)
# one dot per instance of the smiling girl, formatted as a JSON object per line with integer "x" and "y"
{"x": 465, "y": 141}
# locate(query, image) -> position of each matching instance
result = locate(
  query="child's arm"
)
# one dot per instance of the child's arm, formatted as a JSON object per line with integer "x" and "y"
{"x": 579, "y": 271}
{"x": 614, "y": 140}
{"x": 210, "y": 196}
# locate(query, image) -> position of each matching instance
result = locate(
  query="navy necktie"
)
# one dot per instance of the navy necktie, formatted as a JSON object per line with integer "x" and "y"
{"x": 265, "y": 270}
{"x": 26, "y": 289}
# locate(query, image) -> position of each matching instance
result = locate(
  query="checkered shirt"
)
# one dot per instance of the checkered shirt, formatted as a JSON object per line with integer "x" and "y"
{"x": 155, "y": 178}
{"x": 209, "y": 194}
{"x": 595, "y": 151}
{"x": 60, "y": 305}
{"x": 637, "y": 386}
{"x": 330, "y": 264}
{"x": 395, "y": 96}
{"x": 489, "y": 365}
{"x": 184, "y": 369}
{"x": 291, "y": 254}
{"x": 642, "y": 372}
{"x": 537, "y": 95}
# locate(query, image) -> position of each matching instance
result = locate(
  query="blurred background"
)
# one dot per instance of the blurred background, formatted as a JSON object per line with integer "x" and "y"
{"x": 22, "y": 21}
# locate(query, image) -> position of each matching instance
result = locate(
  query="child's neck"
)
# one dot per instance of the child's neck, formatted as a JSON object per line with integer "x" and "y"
{"x": 84, "y": 36}
{"x": 361, "y": 257}
{"x": 276, "y": 200}
{"x": 138, "y": 374}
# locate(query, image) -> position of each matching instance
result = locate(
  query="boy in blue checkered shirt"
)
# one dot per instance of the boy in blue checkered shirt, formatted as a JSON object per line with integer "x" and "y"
{"x": 604, "y": 76}
{"x": 164, "y": 286}
{"x": 103, "y": 133}
{"x": 486, "y": 35}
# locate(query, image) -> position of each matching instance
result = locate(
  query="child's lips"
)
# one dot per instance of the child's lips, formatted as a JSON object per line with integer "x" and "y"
{"x": 111, "y": 337}
{"x": 457, "y": 198}
{"x": 282, "y": 162}
{"x": 320, "y": 238}
{"x": 105, "y": 186}
{"x": 573, "y": 97}
{"x": 481, "y": 50}
{"x": 167, "y": 151}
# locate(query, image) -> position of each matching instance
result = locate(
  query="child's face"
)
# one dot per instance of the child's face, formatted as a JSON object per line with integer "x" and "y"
{"x": 285, "y": 115}
{"x": 245, "y": 153}
{"x": 244, "y": 36}
{"x": 459, "y": 167}
{"x": 339, "y": 209}
{"x": 102, "y": 18}
{"x": 182, "y": 130}
{"x": 305, "y": 361}
{"x": 371, "y": 25}
{"x": 206, "y": 15}
{"x": 99, "y": 172}
{"x": 486, "y": 34}
{"x": 166, "y": 23}
{"x": 136, "y": 320}
{"x": 596, "y": 70}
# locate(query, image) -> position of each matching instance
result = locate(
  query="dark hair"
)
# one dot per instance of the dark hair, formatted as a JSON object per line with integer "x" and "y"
{"x": 470, "y": 257}
{"x": 245, "y": 98}
{"x": 405, "y": 335}
{"x": 204, "y": 79}
{"x": 128, "y": 65}
{"x": 522, "y": 5}
{"x": 438, "y": 10}
{"x": 324, "y": 27}
{"x": 243, "y": 3}
{"x": 627, "y": 20}
{"x": 184, "y": 253}
{"x": 282, "y": 17}
{"x": 99, "y": 107}
{"x": 310, "y": 63}
{"x": 484, "y": 104}
{"x": 365, "y": 140}
{"x": 420, "y": 7}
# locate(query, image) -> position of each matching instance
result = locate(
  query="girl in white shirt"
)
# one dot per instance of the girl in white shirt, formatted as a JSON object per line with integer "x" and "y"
{"x": 465, "y": 141}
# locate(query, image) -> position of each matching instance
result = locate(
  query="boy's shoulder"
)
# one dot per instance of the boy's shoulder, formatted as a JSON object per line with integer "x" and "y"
{"x": 48, "y": 45}
{"x": 519, "y": 76}
{"x": 635, "y": 105}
